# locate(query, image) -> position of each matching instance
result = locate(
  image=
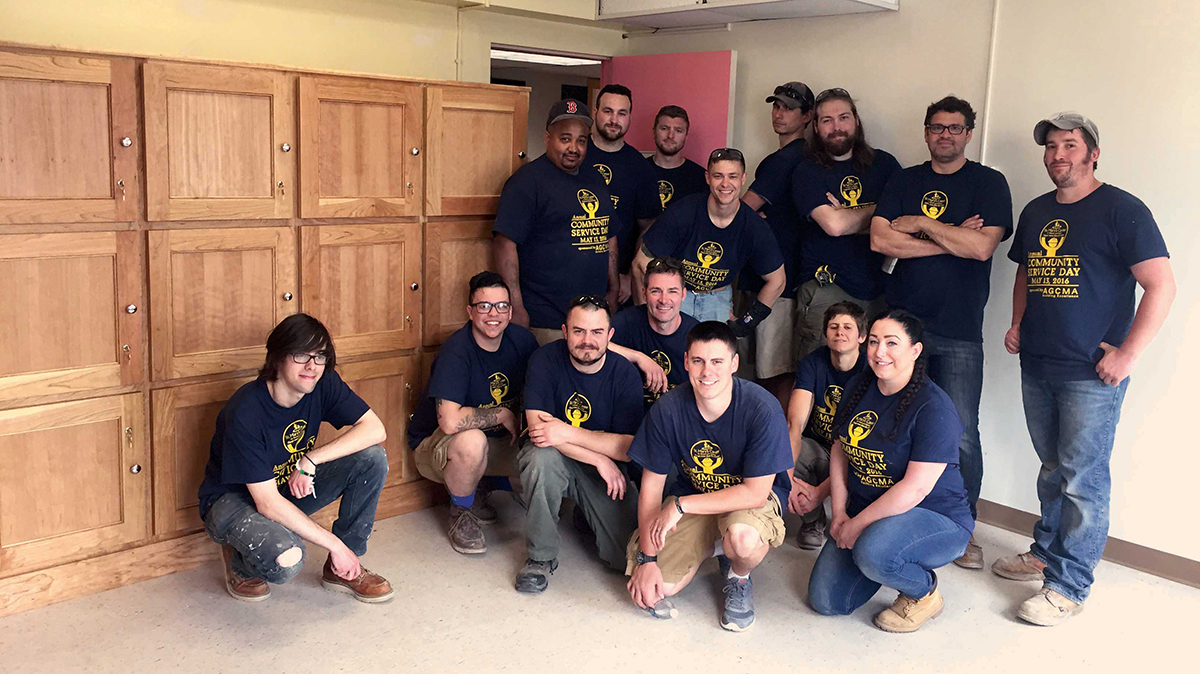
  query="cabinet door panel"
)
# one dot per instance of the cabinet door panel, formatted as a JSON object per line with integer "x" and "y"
{"x": 358, "y": 280}
{"x": 217, "y": 293}
{"x": 61, "y": 155}
{"x": 215, "y": 139}
{"x": 475, "y": 138}
{"x": 63, "y": 321}
{"x": 73, "y": 484}
{"x": 454, "y": 252}
{"x": 359, "y": 137}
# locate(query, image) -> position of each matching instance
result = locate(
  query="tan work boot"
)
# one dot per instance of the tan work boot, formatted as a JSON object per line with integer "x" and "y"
{"x": 1047, "y": 608}
{"x": 242, "y": 589}
{"x": 466, "y": 536}
{"x": 370, "y": 588}
{"x": 1019, "y": 567}
{"x": 972, "y": 558}
{"x": 907, "y": 614}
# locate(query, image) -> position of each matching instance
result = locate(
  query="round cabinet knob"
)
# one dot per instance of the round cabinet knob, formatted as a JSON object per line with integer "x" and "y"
{"x": 287, "y": 297}
{"x": 407, "y": 386}
{"x": 126, "y": 141}
{"x": 416, "y": 151}
{"x": 521, "y": 154}
{"x": 285, "y": 147}
{"x": 415, "y": 286}
{"x": 131, "y": 308}
{"x": 135, "y": 469}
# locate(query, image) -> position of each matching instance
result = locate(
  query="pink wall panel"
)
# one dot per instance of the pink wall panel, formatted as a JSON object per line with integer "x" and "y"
{"x": 699, "y": 82}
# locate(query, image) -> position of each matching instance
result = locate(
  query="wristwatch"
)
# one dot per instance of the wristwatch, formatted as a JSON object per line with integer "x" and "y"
{"x": 643, "y": 558}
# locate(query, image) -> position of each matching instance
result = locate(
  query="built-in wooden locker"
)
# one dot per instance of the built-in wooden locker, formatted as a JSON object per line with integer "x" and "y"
{"x": 455, "y": 250}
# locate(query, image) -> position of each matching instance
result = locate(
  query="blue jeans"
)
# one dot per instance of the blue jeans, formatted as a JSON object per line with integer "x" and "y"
{"x": 257, "y": 540}
{"x": 957, "y": 367}
{"x": 714, "y": 306}
{"x": 1072, "y": 425}
{"x": 899, "y": 551}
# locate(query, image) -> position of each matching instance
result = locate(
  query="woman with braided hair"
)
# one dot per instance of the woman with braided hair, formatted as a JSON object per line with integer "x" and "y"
{"x": 899, "y": 506}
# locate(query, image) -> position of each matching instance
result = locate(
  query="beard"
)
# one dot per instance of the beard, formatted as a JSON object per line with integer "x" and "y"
{"x": 610, "y": 135}
{"x": 584, "y": 360}
{"x": 666, "y": 152}
{"x": 839, "y": 145}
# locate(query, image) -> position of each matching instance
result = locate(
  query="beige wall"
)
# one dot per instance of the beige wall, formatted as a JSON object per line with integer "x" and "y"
{"x": 546, "y": 90}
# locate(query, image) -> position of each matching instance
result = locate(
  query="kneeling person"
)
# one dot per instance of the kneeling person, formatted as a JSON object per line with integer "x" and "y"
{"x": 261, "y": 483}
{"x": 465, "y": 426}
{"x": 582, "y": 407}
{"x": 729, "y": 439}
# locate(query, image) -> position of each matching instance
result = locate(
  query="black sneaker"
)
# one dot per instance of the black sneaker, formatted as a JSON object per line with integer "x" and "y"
{"x": 534, "y": 577}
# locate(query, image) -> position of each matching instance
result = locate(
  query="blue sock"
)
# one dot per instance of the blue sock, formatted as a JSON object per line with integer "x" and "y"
{"x": 463, "y": 501}
{"x": 498, "y": 483}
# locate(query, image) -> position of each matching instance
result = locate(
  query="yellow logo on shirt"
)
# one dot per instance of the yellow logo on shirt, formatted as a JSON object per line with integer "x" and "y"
{"x": 589, "y": 233}
{"x": 823, "y": 421}
{"x": 589, "y": 202}
{"x": 706, "y": 459}
{"x": 851, "y": 189}
{"x": 934, "y": 203}
{"x": 861, "y": 425}
{"x": 498, "y": 388}
{"x": 1052, "y": 236}
{"x": 605, "y": 173}
{"x": 578, "y": 409}
{"x": 293, "y": 436}
{"x": 1046, "y": 272}
{"x": 867, "y": 465}
{"x": 709, "y": 253}
{"x": 663, "y": 360}
{"x": 699, "y": 275}
{"x": 665, "y": 191}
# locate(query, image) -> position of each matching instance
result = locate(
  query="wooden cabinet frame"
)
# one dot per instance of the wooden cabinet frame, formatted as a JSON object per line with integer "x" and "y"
{"x": 442, "y": 317}
{"x": 440, "y": 199}
{"x": 401, "y": 468}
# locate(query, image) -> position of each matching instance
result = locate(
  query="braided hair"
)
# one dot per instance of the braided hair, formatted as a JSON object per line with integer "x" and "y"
{"x": 916, "y": 334}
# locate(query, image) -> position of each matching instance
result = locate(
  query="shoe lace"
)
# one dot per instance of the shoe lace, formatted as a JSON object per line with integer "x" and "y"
{"x": 738, "y": 594}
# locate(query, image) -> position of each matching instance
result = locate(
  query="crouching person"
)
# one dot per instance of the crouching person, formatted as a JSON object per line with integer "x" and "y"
{"x": 729, "y": 439}
{"x": 266, "y": 475}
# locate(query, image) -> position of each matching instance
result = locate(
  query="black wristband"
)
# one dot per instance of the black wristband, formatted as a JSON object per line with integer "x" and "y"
{"x": 743, "y": 326}
{"x": 679, "y": 506}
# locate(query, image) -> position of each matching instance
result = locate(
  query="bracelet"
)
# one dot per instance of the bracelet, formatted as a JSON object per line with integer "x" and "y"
{"x": 306, "y": 473}
{"x": 679, "y": 506}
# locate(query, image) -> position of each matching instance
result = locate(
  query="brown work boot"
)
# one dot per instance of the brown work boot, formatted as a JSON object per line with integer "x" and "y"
{"x": 907, "y": 614}
{"x": 242, "y": 589}
{"x": 1019, "y": 567}
{"x": 1047, "y": 608}
{"x": 466, "y": 536}
{"x": 369, "y": 587}
{"x": 972, "y": 558}
{"x": 482, "y": 510}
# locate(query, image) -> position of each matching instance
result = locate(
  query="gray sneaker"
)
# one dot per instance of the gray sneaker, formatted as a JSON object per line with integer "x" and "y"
{"x": 534, "y": 577}
{"x": 811, "y": 535}
{"x": 466, "y": 536}
{"x": 739, "y": 604}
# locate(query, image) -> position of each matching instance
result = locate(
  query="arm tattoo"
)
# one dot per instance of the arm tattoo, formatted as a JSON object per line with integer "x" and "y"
{"x": 479, "y": 418}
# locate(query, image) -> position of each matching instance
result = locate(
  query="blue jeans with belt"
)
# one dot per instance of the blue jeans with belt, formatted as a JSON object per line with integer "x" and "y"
{"x": 713, "y": 306}
{"x": 1072, "y": 425}
{"x": 957, "y": 367}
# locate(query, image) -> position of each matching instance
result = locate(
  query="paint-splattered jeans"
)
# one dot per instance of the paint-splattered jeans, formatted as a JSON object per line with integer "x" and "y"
{"x": 257, "y": 540}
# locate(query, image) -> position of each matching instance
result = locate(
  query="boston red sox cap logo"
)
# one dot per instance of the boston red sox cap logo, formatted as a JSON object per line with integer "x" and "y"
{"x": 572, "y": 108}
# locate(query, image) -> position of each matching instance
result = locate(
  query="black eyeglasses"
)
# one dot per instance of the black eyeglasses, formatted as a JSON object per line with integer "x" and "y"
{"x": 486, "y": 307}
{"x": 732, "y": 154}
{"x": 303, "y": 358}
{"x": 954, "y": 129}
{"x": 836, "y": 92}
{"x": 586, "y": 300}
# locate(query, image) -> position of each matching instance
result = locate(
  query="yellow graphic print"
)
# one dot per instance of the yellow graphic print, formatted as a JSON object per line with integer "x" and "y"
{"x": 578, "y": 409}
{"x": 498, "y": 387}
{"x": 664, "y": 361}
{"x": 699, "y": 274}
{"x": 293, "y": 442}
{"x": 706, "y": 459}
{"x": 1046, "y": 272}
{"x": 588, "y": 232}
{"x": 822, "y": 422}
{"x": 934, "y": 203}
{"x": 665, "y": 191}
{"x": 867, "y": 464}
{"x": 605, "y": 173}
{"x": 852, "y": 189}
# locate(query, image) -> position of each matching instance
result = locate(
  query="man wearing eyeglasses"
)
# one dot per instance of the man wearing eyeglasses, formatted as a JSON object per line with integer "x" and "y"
{"x": 771, "y": 350}
{"x": 266, "y": 475}
{"x": 466, "y": 426}
{"x": 940, "y": 222}
{"x": 716, "y": 237}
{"x": 555, "y": 228}
{"x": 582, "y": 407}
{"x": 835, "y": 189}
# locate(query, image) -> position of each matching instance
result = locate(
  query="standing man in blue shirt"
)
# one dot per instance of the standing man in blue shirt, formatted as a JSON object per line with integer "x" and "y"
{"x": 677, "y": 176}
{"x": 555, "y": 228}
{"x": 940, "y": 222}
{"x": 1080, "y": 250}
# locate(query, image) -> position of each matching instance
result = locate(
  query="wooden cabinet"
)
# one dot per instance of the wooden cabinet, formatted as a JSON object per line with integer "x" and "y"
{"x": 73, "y": 483}
{"x": 362, "y": 142}
{"x": 220, "y": 142}
{"x": 476, "y": 138}
{"x": 70, "y": 314}
{"x": 184, "y": 420}
{"x": 216, "y": 295}
{"x": 455, "y": 250}
{"x": 63, "y": 123}
{"x": 363, "y": 283}
{"x": 390, "y": 387}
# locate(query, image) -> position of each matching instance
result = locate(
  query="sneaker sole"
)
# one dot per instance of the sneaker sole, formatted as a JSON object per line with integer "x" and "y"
{"x": 469, "y": 551}
{"x": 891, "y": 630}
{"x": 337, "y": 587}
{"x": 247, "y": 597}
{"x": 531, "y": 590}
{"x": 734, "y": 627}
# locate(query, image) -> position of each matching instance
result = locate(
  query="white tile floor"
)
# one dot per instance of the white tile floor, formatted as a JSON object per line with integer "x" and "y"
{"x": 459, "y": 613}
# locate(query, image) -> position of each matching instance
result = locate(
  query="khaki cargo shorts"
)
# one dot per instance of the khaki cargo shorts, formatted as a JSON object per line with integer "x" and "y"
{"x": 430, "y": 456}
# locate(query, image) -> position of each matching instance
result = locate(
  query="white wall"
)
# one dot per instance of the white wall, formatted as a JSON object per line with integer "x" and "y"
{"x": 546, "y": 91}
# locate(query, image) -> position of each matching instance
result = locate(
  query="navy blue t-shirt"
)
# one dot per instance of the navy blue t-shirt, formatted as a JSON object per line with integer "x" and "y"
{"x": 1077, "y": 260}
{"x": 773, "y": 182}
{"x": 257, "y": 440}
{"x": 633, "y": 190}
{"x": 945, "y": 291}
{"x": 632, "y": 330}
{"x": 712, "y": 256}
{"x": 609, "y": 401}
{"x": 471, "y": 376}
{"x": 928, "y": 433}
{"x": 561, "y": 223}
{"x": 676, "y": 183}
{"x": 856, "y": 269}
{"x": 749, "y": 440}
{"x": 816, "y": 374}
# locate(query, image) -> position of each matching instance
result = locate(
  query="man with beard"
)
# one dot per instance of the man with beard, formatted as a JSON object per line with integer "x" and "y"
{"x": 553, "y": 237}
{"x": 629, "y": 178}
{"x": 771, "y": 350}
{"x": 835, "y": 189}
{"x": 1080, "y": 250}
{"x": 941, "y": 222}
{"x": 677, "y": 175}
{"x": 582, "y": 408}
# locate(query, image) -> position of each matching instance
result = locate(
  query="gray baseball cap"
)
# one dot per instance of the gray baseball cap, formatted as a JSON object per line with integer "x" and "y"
{"x": 1066, "y": 121}
{"x": 793, "y": 95}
